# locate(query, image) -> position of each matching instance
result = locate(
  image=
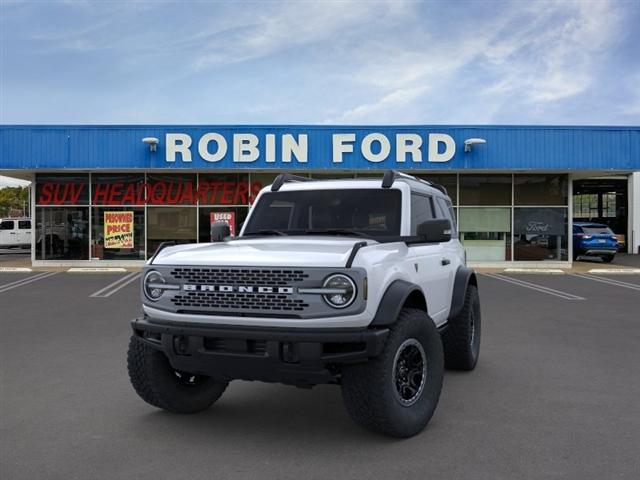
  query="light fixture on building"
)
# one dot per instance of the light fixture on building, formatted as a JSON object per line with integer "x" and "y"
{"x": 473, "y": 141}
{"x": 152, "y": 142}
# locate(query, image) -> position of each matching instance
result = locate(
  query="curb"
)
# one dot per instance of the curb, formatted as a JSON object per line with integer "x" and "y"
{"x": 96, "y": 270}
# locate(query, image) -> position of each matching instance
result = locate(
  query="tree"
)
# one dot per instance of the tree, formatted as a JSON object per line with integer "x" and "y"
{"x": 13, "y": 198}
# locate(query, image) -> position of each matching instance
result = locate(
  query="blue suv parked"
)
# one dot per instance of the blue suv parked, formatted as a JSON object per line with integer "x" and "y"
{"x": 594, "y": 239}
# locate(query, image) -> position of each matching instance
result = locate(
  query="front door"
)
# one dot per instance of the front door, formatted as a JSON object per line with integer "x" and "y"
{"x": 8, "y": 233}
{"x": 24, "y": 232}
{"x": 432, "y": 273}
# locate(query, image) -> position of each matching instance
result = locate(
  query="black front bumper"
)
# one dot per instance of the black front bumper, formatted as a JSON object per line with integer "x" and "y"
{"x": 299, "y": 357}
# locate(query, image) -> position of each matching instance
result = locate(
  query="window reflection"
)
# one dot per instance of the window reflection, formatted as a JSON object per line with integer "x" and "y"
{"x": 540, "y": 234}
{"x": 62, "y": 233}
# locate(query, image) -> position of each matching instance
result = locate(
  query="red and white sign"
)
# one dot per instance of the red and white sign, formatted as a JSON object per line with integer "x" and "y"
{"x": 227, "y": 217}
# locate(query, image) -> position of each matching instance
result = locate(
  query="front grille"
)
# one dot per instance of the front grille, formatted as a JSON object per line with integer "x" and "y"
{"x": 239, "y": 301}
{"x": 232, "y": 276}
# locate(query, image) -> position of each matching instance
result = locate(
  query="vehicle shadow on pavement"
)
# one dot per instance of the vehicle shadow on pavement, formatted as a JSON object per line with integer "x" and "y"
{"x": 273, "y": 413}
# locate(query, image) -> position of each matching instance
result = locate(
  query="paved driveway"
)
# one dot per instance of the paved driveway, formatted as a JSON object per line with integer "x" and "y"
{"x": 555, "y": 395}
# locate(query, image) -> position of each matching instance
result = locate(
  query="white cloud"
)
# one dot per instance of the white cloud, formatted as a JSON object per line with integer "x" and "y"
{"x": 553, "y": 57}
{"x": 287, "y": 26}
{"x": 384, "y": 106}
{"x": 535, "y": 54}
{"x": 314, "y": 61}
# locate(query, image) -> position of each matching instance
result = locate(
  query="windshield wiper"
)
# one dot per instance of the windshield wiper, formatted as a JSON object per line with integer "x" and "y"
{"x": 267, "y": 232}
{"x": 337, "y": 231}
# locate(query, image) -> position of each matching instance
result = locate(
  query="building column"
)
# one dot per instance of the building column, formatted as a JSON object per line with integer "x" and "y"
{"x": 634, "y": 213}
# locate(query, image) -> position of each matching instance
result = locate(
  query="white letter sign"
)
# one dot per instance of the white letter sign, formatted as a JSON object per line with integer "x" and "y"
{"x": 178, "y": 143}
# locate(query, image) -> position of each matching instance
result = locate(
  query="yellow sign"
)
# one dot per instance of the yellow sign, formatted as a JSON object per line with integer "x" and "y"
{"x": 118, "y": 229}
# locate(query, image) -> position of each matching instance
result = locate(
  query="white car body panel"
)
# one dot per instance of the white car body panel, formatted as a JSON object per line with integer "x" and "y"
{"x": 431, "y": 266}
{"x": 16, "y": 236}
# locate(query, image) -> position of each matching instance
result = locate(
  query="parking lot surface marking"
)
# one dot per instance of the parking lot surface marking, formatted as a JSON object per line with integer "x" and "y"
{"x": 609, "y": 281}
{"x": 535, "y": 286}
{"x": 116, "y": 286}
{"x": 25, "y": 281}
{"x": 609, "y": 271}
{"x": 96, "y": 270}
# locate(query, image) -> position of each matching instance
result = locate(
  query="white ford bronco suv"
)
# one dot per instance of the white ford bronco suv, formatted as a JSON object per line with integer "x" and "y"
{"x": 360, "y": 283}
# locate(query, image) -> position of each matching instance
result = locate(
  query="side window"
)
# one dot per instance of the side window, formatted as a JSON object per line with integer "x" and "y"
{"x": 446, "y": 211}
{"x": 7, "y": 225}
{"x": 421, "y": 210}
{"x": 24, "y": 225}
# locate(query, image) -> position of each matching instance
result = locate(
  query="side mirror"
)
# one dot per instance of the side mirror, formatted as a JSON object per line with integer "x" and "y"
{"x": 219, "y": 231}
{"x": 435, "y": 231}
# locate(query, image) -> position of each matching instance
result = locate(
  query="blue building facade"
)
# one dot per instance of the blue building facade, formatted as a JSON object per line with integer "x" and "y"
{"x": 512, "y": 185}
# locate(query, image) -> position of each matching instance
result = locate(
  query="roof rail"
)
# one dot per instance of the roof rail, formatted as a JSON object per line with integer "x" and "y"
{"x": 287, "y": 177}
{"x": 390, "y": 176}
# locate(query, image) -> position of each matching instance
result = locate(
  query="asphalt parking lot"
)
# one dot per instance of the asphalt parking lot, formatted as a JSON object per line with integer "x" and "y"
{"x": 556, "y": 394}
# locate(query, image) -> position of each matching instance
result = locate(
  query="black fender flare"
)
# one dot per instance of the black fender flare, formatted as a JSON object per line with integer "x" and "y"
{"x": 393, "y": 300}
{"x": 464, "y": 277}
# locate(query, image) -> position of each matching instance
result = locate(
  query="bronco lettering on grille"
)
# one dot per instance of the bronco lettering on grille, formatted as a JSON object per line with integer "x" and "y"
{"x": 237, "y": 289}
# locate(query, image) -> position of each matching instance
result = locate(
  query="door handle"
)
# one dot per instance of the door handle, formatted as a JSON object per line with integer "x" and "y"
{"x": 445, "y": 262}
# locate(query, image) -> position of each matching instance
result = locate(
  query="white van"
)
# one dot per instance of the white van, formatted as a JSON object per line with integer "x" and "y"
{"x": 15, "y": 232}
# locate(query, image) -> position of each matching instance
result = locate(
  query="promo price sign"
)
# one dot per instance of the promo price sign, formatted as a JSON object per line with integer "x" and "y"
{"x": 227, "y": 217}
{"x": 118, "y": 229}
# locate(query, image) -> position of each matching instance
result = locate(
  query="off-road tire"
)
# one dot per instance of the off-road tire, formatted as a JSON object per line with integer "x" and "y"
{"x": 369, "y": 389}
{"x": 158, "y": 384}
{"x": 461, "y": 339}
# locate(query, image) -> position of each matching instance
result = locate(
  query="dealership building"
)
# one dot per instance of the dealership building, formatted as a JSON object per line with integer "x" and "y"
{"x": 517, "y": 190}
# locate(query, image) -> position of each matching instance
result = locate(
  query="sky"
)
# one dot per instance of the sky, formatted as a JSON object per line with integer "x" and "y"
{"x": 320, "y": 62}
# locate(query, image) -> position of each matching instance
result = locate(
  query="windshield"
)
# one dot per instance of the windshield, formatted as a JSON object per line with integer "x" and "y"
{"x": 594, "y": 230}
{"x": 361, "y": 212}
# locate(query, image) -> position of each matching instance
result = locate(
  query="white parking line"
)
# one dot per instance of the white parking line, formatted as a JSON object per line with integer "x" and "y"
{"x": 535, "y": 286}
{"x": 24, "y": 281}
{"x": 609, "y": 281}
{"x": 117, "y": 285}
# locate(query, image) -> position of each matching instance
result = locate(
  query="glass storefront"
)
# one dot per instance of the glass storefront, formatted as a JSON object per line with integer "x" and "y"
{"x": 136, "y": 247}
{"x": 125, "y": 216}
{"x": 62, "y": 233}
{"x": 540, "y": 234}
{"x": 485, "y": 233}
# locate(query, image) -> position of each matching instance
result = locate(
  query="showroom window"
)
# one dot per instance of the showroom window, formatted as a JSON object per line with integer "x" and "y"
{"x": 541, "y": 189}
{"x": 171, "y": 189}
{"x": 500, "y": 216}
{"x": 485, "y": 233}
{"x": 118, "y": 189}
{"x": 117, "y": 233}
{"x": 62, "y": 233}
{"x": 170, "y": 223}
{"x": 62, "y": 189}
{"x": 540, "y": 234}
{"x": 62, "y": 216}
{"x": 489, "y": 190}
{"x": 223, "y": 189}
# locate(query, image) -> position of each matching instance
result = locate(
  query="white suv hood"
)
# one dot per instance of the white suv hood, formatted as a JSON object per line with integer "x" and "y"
{"x": 293, "y": 251}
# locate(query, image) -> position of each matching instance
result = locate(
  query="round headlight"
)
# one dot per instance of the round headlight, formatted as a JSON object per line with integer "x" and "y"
{"x": 343, "y": 291}
{"x": 151, "y": 288}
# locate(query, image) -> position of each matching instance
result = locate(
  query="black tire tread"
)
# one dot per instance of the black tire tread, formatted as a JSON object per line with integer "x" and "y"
{"x": 148, "y": 369}
{"x": 455, "y": 339}
{"x": 363, "y": 386}
{"x": 139, "y": 373}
